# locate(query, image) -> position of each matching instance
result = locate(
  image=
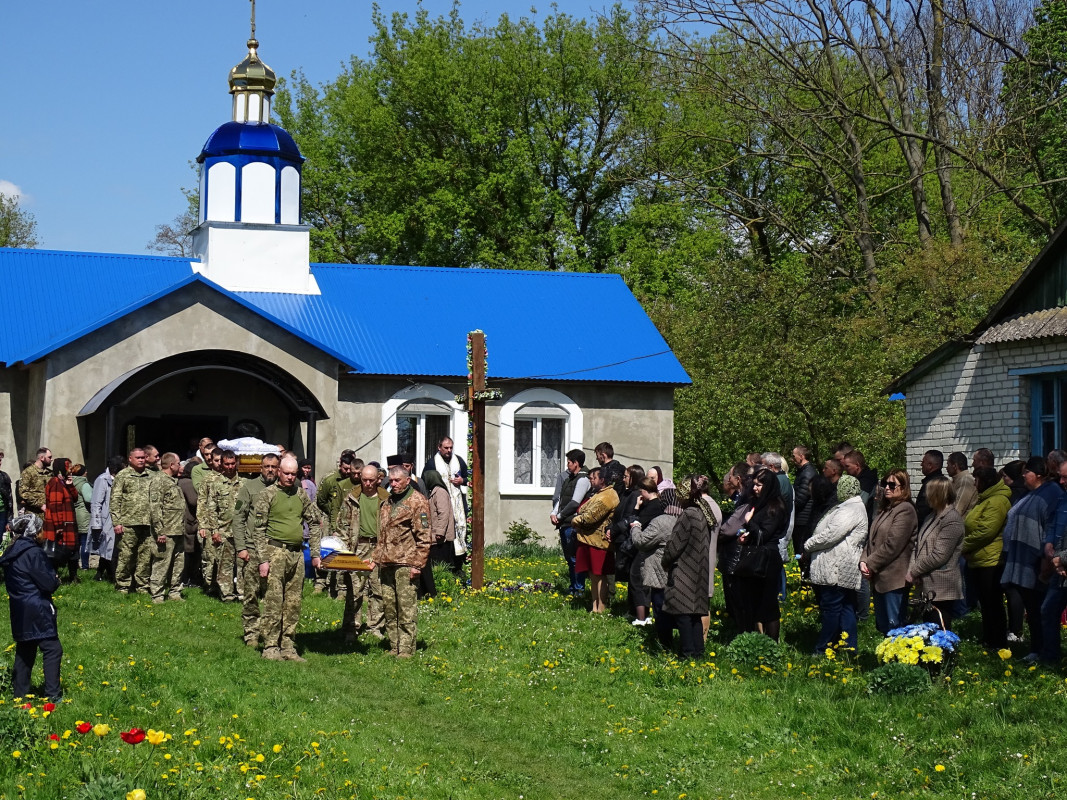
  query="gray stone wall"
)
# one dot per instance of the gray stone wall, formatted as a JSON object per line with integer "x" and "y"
{"x": 971, "y": 401}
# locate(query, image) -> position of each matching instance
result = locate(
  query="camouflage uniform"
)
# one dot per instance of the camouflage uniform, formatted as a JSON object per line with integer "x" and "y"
{"x": 129, "y": 508}
{"x": 357, "y": 586}
{"x": 167, "y": 510}
{"x": 285, "y": 580}
{"x": 331, "y": 493}
{"x": 32, "y": 483}
{"x": 214, "y": 513}
{"x": 403, "y": 544}
{"x": 253, "y": 586}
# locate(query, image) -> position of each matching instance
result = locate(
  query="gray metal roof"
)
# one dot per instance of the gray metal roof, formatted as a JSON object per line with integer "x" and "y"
{"x": 1035, "y": 325}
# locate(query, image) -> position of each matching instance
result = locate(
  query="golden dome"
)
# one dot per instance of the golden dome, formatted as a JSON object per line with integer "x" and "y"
{"x": 252, "y": 75}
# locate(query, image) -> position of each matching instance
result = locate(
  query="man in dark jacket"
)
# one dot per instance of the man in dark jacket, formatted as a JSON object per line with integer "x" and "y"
{"x": 931, "y": 465}
{"x": 573, "y": 490}
{"x": 30, "y": 580}
{"x": 802, "y": 503}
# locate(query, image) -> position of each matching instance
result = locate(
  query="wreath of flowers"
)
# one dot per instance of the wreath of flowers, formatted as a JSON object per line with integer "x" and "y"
{"x": 925, "y": 644}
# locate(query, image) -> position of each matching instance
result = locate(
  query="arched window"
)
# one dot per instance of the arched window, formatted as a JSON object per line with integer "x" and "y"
{"x": 221, "y": 192}
{"x": 537, "y": 428}
{"x": 257, "y": 193}
{"x": 416, "y": 417}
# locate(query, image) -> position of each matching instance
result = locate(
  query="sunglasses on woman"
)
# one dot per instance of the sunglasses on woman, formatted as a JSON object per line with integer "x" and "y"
{"x": 891, "y": 485}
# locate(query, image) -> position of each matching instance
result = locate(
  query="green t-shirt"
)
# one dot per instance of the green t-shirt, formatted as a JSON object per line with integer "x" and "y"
{"x": 368, "y": 516}
{"x": 286, "y": 520}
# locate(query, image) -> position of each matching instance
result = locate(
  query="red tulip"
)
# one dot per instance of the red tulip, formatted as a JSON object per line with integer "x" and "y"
{"x": 54, "y": 737}
{"x": 133, "y": 736}
{"x": 85, "y": 727}
{"x": 49, "y": 706}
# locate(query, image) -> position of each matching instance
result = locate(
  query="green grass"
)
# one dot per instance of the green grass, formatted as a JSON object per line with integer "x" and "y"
{"x": 512, "y": 694}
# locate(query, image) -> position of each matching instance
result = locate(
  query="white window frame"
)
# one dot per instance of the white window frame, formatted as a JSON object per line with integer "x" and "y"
{"x": 573, "y": 433}
{"x": 457, "y": 426}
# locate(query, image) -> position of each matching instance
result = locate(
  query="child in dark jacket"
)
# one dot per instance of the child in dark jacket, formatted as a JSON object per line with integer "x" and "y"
{"x": 31, "y": 580}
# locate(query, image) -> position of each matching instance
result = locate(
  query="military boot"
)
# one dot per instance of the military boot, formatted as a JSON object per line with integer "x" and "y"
{"x": 273, "y": 654}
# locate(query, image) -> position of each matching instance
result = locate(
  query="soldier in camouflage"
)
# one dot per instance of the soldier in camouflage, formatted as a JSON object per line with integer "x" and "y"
{"x": 357, "y": 524}
{"x": 214, "y": 515}
{"x": 203, "y": 469}
{"x": 278, "y": 516}
{"x": 403, "y": 546}
{"x": 32, "y": 483}
{"x": 132, "y": 519}
{"x": 166, "y": 505}
{"x": 208, "y": 554}
{"x": 152, "y": 458}
{"x": 253, "y": 587}
{"x": 331, "y": 493}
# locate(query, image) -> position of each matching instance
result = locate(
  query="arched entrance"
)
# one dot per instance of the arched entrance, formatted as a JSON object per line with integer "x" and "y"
{"x": 173, "y": 402}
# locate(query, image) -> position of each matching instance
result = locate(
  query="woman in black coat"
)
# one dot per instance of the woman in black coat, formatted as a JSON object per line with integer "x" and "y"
{"x": 30, "y": 580}
{"x": 766, "y": 522}
{"x": 688, "y": 564}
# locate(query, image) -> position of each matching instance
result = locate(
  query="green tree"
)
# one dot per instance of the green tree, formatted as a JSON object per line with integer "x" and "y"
{"x": 508, "y": 145}
{"x": 1035, "y": 94}
{"x": 18, "y": 228}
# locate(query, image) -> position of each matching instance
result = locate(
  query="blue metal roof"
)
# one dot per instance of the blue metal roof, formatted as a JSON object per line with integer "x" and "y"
{"x": 57, "y": 297}
{"x": 377, "y": 320}
{"x": 250, "y": 138}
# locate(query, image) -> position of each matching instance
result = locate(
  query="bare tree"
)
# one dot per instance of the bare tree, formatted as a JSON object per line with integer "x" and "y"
{"x": 851, "y": 76}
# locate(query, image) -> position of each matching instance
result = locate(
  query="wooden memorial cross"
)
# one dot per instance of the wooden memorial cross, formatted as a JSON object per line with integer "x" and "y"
{"x": 477, "y": 394}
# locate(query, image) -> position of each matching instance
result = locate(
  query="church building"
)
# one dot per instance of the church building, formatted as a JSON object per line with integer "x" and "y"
{"x": 248, "y": 338}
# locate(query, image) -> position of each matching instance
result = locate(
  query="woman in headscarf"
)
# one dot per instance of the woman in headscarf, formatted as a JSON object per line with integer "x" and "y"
{"x": 60, "y": 522}
{"x": 442, "y": 521}
{"x": 766, "y": 523}
{"x": 687, "y": 562}
{"x": 835, "y": 548}
{"x": 30, "y": 580}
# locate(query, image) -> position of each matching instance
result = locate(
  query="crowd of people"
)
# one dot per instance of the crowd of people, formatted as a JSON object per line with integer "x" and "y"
{"x": 158, "y": 525}
{"x": 975, "y": 539}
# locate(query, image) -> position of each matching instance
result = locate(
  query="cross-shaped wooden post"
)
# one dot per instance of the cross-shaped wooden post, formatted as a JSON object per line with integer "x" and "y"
{"x": 477, "y": 394}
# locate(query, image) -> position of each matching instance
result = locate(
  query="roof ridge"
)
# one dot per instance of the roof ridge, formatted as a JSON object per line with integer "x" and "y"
{"x": 482, "y": 270}
{"x": 27, "y": 251}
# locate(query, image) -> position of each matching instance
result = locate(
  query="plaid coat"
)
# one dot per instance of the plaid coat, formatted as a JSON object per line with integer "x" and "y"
{"x": 60, "y": 524}
{"x": 935, "y": 564}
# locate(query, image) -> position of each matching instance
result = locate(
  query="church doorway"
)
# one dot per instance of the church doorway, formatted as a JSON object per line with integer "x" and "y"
{"x": 174, "y": 402}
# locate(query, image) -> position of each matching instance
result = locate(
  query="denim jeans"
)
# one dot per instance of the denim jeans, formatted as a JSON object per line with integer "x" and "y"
{"x": 888, "y": 607}
{"x": 1051, "y": 611}
{"x": 837, "y": 608}
{"x": 568, "y": 542}
{"x": 86, "y": 540}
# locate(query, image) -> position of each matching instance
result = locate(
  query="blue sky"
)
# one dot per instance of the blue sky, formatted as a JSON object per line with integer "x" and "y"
{"x": 106, "y": 104}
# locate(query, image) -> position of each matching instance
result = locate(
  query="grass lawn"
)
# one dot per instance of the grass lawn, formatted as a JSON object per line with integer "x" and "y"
{"x": 513, "y": 694}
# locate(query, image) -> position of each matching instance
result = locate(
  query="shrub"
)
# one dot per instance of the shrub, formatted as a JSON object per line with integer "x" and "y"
{"x": 103, "y": 787}
{"x": 755, "y": 649}
{"x": 897, "y": 678}
{"x": 17, "y": 728}
{"x": 520, "y": 533}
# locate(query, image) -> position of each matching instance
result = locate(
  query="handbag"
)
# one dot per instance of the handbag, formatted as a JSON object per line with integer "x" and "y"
{"x": 755, "y": 562}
